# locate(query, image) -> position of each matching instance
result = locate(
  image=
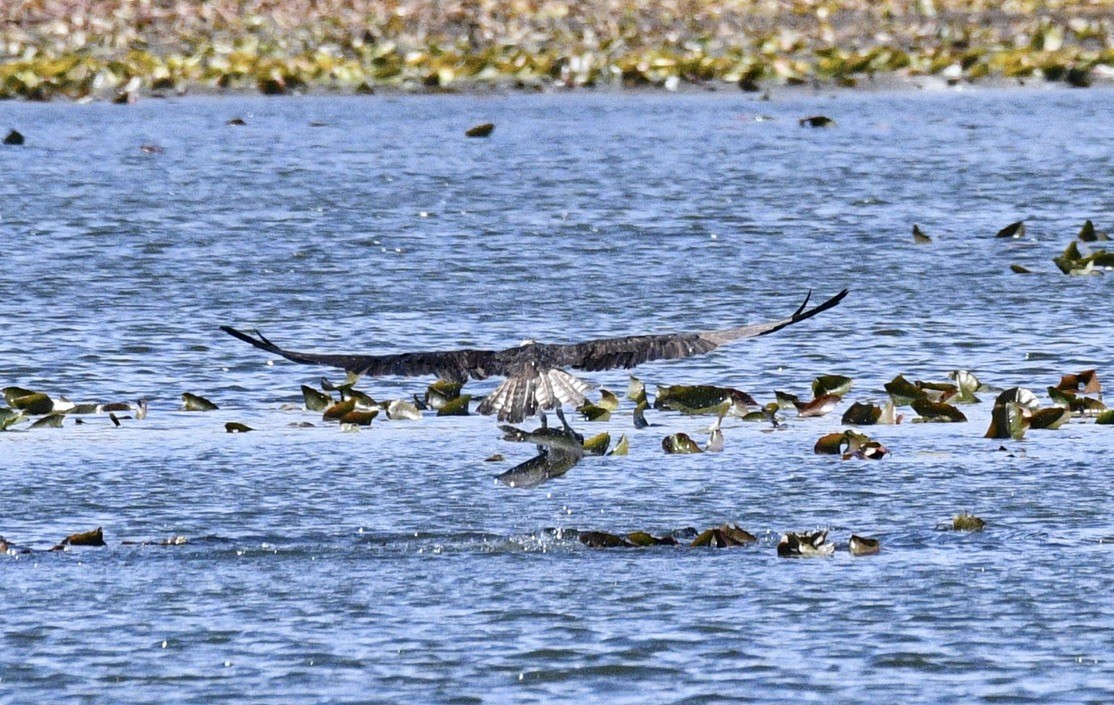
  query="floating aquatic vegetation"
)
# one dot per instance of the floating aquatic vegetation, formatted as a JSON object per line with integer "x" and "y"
{"x": 1106, "y": 418}
{"x": 816, "y": 121}
{"x": 1014, "y": 230}
{"x": 14, "y": 138}
{"x": 1050, "y": 419}
{"x": 867, "y": 414}
{"x": 315, "y": 400}
{"x": 938, "y": 412}
{"x": 919, "y": 237}
{"x": 766, "y": 413}
{"x": 703, "y": 399}
{"x": 35, "y": 403}
{"x": 237, "y": 122}
{"x": 1018, "y": 269}
{"x": 967, "y": 522}
{"x": 903, "y": 392}
{"x": 13, "y": 393}
{"x": 608, "y": 400}
{"x": 442, "y": 392}
{"x": 825, "y": 385}
{"x": 725, "y": 536}
{"x": 339, "y": 409}
{"x": 1086, "y": 382}
{"x": 497, "y": 458}
{"x": 1009, "y": 418}
{"x": 850, "y": 444}
{"x": 598, "y": 444}
{"x": 820, "y": 406}
{"x": 680, "y": 444}
{"x": 359, "y": 417}
{"x": 643, "y": 539}
{"x": 49, "y": 421}
{"x": 863, "y": 545}
{"x": 805, "y": 545}
{"x": 968, "y": 384}
{"x": 1075, "y": 263}
{"x": 1077, "y": 404}
{"x": 456, "y": 407}
{"x": 482, "y": 130}
{"x": 593, "y": 412}
{"x": 622, "y": 447}
{"x": 602, "y": 539}
{"x": 9, "y": 417}
{"x": 1088, "y": 233}
{"x": 237, "y": 427}
{"x": 400, "y": 410}
{"x": 192, "y": 402}
{"x": 87, "y": 538}
{"x": 636, "y": 391}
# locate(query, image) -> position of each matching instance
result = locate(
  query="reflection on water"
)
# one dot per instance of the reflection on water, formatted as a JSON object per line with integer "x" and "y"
{"x": 328, "y": 565}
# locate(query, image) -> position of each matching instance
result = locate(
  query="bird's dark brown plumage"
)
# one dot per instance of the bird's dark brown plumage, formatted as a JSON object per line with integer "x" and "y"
{"x": 535, "y": 379}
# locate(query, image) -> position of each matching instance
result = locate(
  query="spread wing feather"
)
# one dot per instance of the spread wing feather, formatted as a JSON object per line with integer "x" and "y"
{"x": 527, "y": 361}
{"x": 455, "y": 365}
{"x": 612, "y": 353}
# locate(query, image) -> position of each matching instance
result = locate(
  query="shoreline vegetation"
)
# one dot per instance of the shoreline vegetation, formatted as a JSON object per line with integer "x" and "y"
{"x": 121, "y": 49}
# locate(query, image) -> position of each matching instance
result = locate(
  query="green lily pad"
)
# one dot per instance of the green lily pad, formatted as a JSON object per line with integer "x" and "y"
{"x": 9, "y": 417}
{"x": 967, "y": 522}
{"x": 402, "y": 410}
{"x": 679, "y": 444}
{"x": 592, "y": 412}
{"x": 1106, "y": 418}
{"x": 636, "y": 390}
{"x": 34, "y": 404}
{"x": 49, "y": 421}
{"x": 1051, "y": 418}
{"x": 481, "y": 130}
{"x": 862, "y": 414}
{"x": 903, "y": 392}
{"x": 597, "y": 445}
{"x": 837, "y": 385}
{"x": 442, "y": 392}
{"x": 315, "y": 400}
{"x": 13, "y": 393}
{"x": 193, "y": 402}
{"x": 455, "y": 407}
{"x": 622, "y": 447}
{"x": 863, "y": 546}
{"x": 703, "y": 399}
{"x": 608, "y": 400}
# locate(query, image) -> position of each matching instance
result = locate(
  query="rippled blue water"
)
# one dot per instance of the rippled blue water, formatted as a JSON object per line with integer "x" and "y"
{"x": 387, "y": 565}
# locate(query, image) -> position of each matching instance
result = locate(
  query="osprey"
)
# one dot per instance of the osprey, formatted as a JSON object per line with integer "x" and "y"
{"x": 535, "y": 379}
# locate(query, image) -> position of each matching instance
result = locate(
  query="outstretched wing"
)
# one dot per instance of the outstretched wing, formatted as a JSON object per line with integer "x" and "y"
{"x": 455, "y": 365}
{"x": 612, "y": 353}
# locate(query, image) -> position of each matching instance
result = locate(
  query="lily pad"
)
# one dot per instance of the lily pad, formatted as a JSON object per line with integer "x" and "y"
{"x": 1018, "y": 269}
{"x": 820, "y": 406}
{"x": 967, "y": 522}
{"x": 608, "y": 400}
{"x": 862, "y": 414}
{"x": 401, "y": 410}
{"x": 236, "y": 427}
{"x": 359, "y": 417}
{"x": 903, "y": 392}
{"x": 13, "y": 393}
{"x": 1051, "y": 418}
{"x": 601, "y": 539}
{"x": 592, "y": 412}
{"x": 939, "y": 412}
{"x": 49, "y": 421}
{"x": 442, "y": 392}
{"x": 1086, "y": 382}
{"x": 1006, "y": 421}
{"x": 481, "y": 130}
{"x": 703, "y": 399}
{"x": 87, "y": 538}
{"x": 680, "y": 444}
{"x": 1014, "y": 230}
{"x": 636, "y": 390}
{"x": 9, "y": 417}
{"x": 597, "y": 445}
{"x": 831, "y": 384}
{"x": 805, "y": 545}
{"x": 863, "y": 545}
{"x": 315, "y": 400}
{"x": 34, "y": 404}
{"x": 455, "y": 407}
{"x": 622, "y": 447}
{"x": 339, "y": 409}
{"x": 1106, "y": 418}
{"x": 725, "y": 536}
{"x": 193, "y": 402}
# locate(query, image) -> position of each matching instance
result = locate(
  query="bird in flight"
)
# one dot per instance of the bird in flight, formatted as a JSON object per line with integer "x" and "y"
{"x": 535, "y": 378}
